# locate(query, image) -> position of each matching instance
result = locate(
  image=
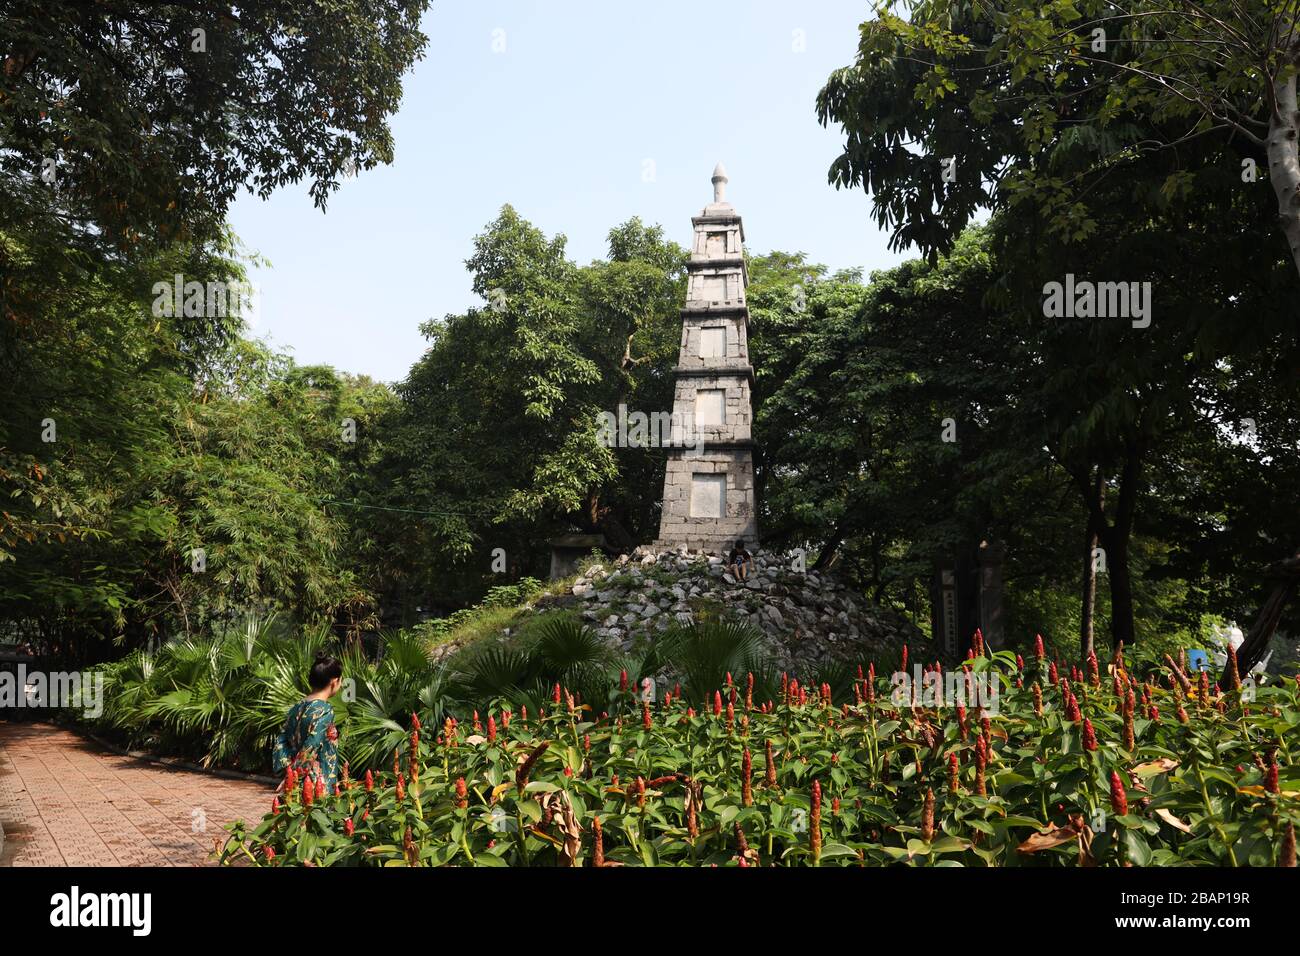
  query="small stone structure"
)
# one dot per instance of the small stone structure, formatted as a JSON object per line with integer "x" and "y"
{"x": 568, "y": 550}
{"x": 709, "y": 482}
{"x": 967, "y": 594}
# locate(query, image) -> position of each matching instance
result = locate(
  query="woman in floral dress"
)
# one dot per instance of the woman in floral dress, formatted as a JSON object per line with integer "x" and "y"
{"x": 309, "y": 742}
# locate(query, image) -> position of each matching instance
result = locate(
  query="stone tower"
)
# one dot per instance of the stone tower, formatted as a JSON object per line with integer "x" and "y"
{"x": 709, "y": 482}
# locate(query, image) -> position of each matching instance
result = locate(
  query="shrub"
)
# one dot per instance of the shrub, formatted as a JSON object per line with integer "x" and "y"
{"x": 1139, "y": 775}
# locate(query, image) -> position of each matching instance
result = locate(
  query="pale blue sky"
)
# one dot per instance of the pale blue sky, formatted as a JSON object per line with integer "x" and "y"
{"x": 561, "y": 124}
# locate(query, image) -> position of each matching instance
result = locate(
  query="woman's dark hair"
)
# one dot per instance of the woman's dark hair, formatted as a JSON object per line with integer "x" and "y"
{"x": 324, "y": 670}
{"x": 740, "y": 544}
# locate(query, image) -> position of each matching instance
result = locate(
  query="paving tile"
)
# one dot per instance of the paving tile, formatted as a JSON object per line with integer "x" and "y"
{"x": 65, "y": 801}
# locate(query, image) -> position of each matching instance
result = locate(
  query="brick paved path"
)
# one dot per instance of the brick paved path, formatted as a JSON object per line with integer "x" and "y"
{"x": 66, "y": 801}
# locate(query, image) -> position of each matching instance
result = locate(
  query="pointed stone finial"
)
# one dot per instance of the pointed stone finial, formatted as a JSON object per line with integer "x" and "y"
{"x": 719, "y": 183}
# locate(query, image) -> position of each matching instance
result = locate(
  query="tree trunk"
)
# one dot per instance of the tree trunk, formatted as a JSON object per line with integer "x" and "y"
{"x": 1253, "y": 647}
{"x": 1121, "y": 586}
{"x": 1283, "y": 161}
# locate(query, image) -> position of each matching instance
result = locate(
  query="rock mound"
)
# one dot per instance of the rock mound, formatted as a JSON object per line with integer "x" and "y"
{"x": 806, "y": 618}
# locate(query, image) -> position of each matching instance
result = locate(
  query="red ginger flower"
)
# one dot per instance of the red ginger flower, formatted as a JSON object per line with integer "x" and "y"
{"x": 1270, "y": 778}
{"x": 1089, "y": 736}
{"x": 586, "y": 743}
{"x": 555, "y": 694}
{"x": 1039, "y": 652}
{"x": 731, "y": 715}
{"x": 370, "y": 781}
{"x": 646, "y": 722}
{"x": 275, "y": 806}
{"x": 308, "y": 791}
{"x": 927, "y": 817}
{"x": 491, "y": 729}
{"x": 598, "y": 843}
{"x": 746, "y": 773}
{"x": 415, "y": 721}
{"x": 269, "y": 853}
{"x": 717, "y": 703}
{"x": 953, "y": 770}
{"x": 1118, "y": 798}
{"x": 903, "y": 665}
{"x": 771, "y": 766}
{"x": 1053, "y": 674}
{"x": 622, "y": 680}
{"x": 961, "y": 720}
{"x": 1038, "y": 699}
{"x": 1234, "y": 677}
{"x": 526, "y": 768}
{"x": 462, "y": 794}
{"x": 349, "y": 827}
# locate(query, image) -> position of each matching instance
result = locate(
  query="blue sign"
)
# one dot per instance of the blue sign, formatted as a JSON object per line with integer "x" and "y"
{"x": 1198, "y": 660}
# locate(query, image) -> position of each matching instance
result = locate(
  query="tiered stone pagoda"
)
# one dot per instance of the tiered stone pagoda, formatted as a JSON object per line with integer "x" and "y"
{"x": 709, "y": 484}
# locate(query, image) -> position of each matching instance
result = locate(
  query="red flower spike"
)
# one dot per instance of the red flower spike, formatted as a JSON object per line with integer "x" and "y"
{"x": 1234, "y": 678}
{"x": 349, "y": 827}
{"x": 927, "y": 817}
{"x": 746, "y": 772}
{"x": 1039, "y": 652}
{"x": 1270, "y": 778}
{"x": 491, "y": 729}
{"x": 370, "y": 781}
{"x": 1118, "y": 798}
{"x": 646, "y": 722}
{"x": 415, "y": 721}
{"x": 462, "y": 794}
{"x": 717, "y": 703}
{"x": 598, "y": 843}
{"x": 771, "y": 766}
{"x": 954, "y": 770}
{"x": 275, "y": 806}
{"x": 308, "y": 791}
{"x": 622, "y": 680}
{"x": 903, "y": 666}
{"x": 1089, "y": 735}
{"x": 731, "y": 715}
{"x": 555, "y": 694}
{"x": 1054, "y": 675}
{"x": 269, "y": 853}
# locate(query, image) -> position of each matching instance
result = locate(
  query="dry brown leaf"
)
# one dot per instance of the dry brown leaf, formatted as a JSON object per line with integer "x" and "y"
{"x": 1172, "y": 820}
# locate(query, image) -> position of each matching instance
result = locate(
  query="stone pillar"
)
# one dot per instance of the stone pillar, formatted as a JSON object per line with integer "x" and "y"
{"x": 967, "y": 594}
{"x": 990, "y": 560}
{"x": 709, "y": 481}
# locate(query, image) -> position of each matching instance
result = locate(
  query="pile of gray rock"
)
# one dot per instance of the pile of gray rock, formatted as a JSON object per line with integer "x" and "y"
{"x": 806, "y": 618}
